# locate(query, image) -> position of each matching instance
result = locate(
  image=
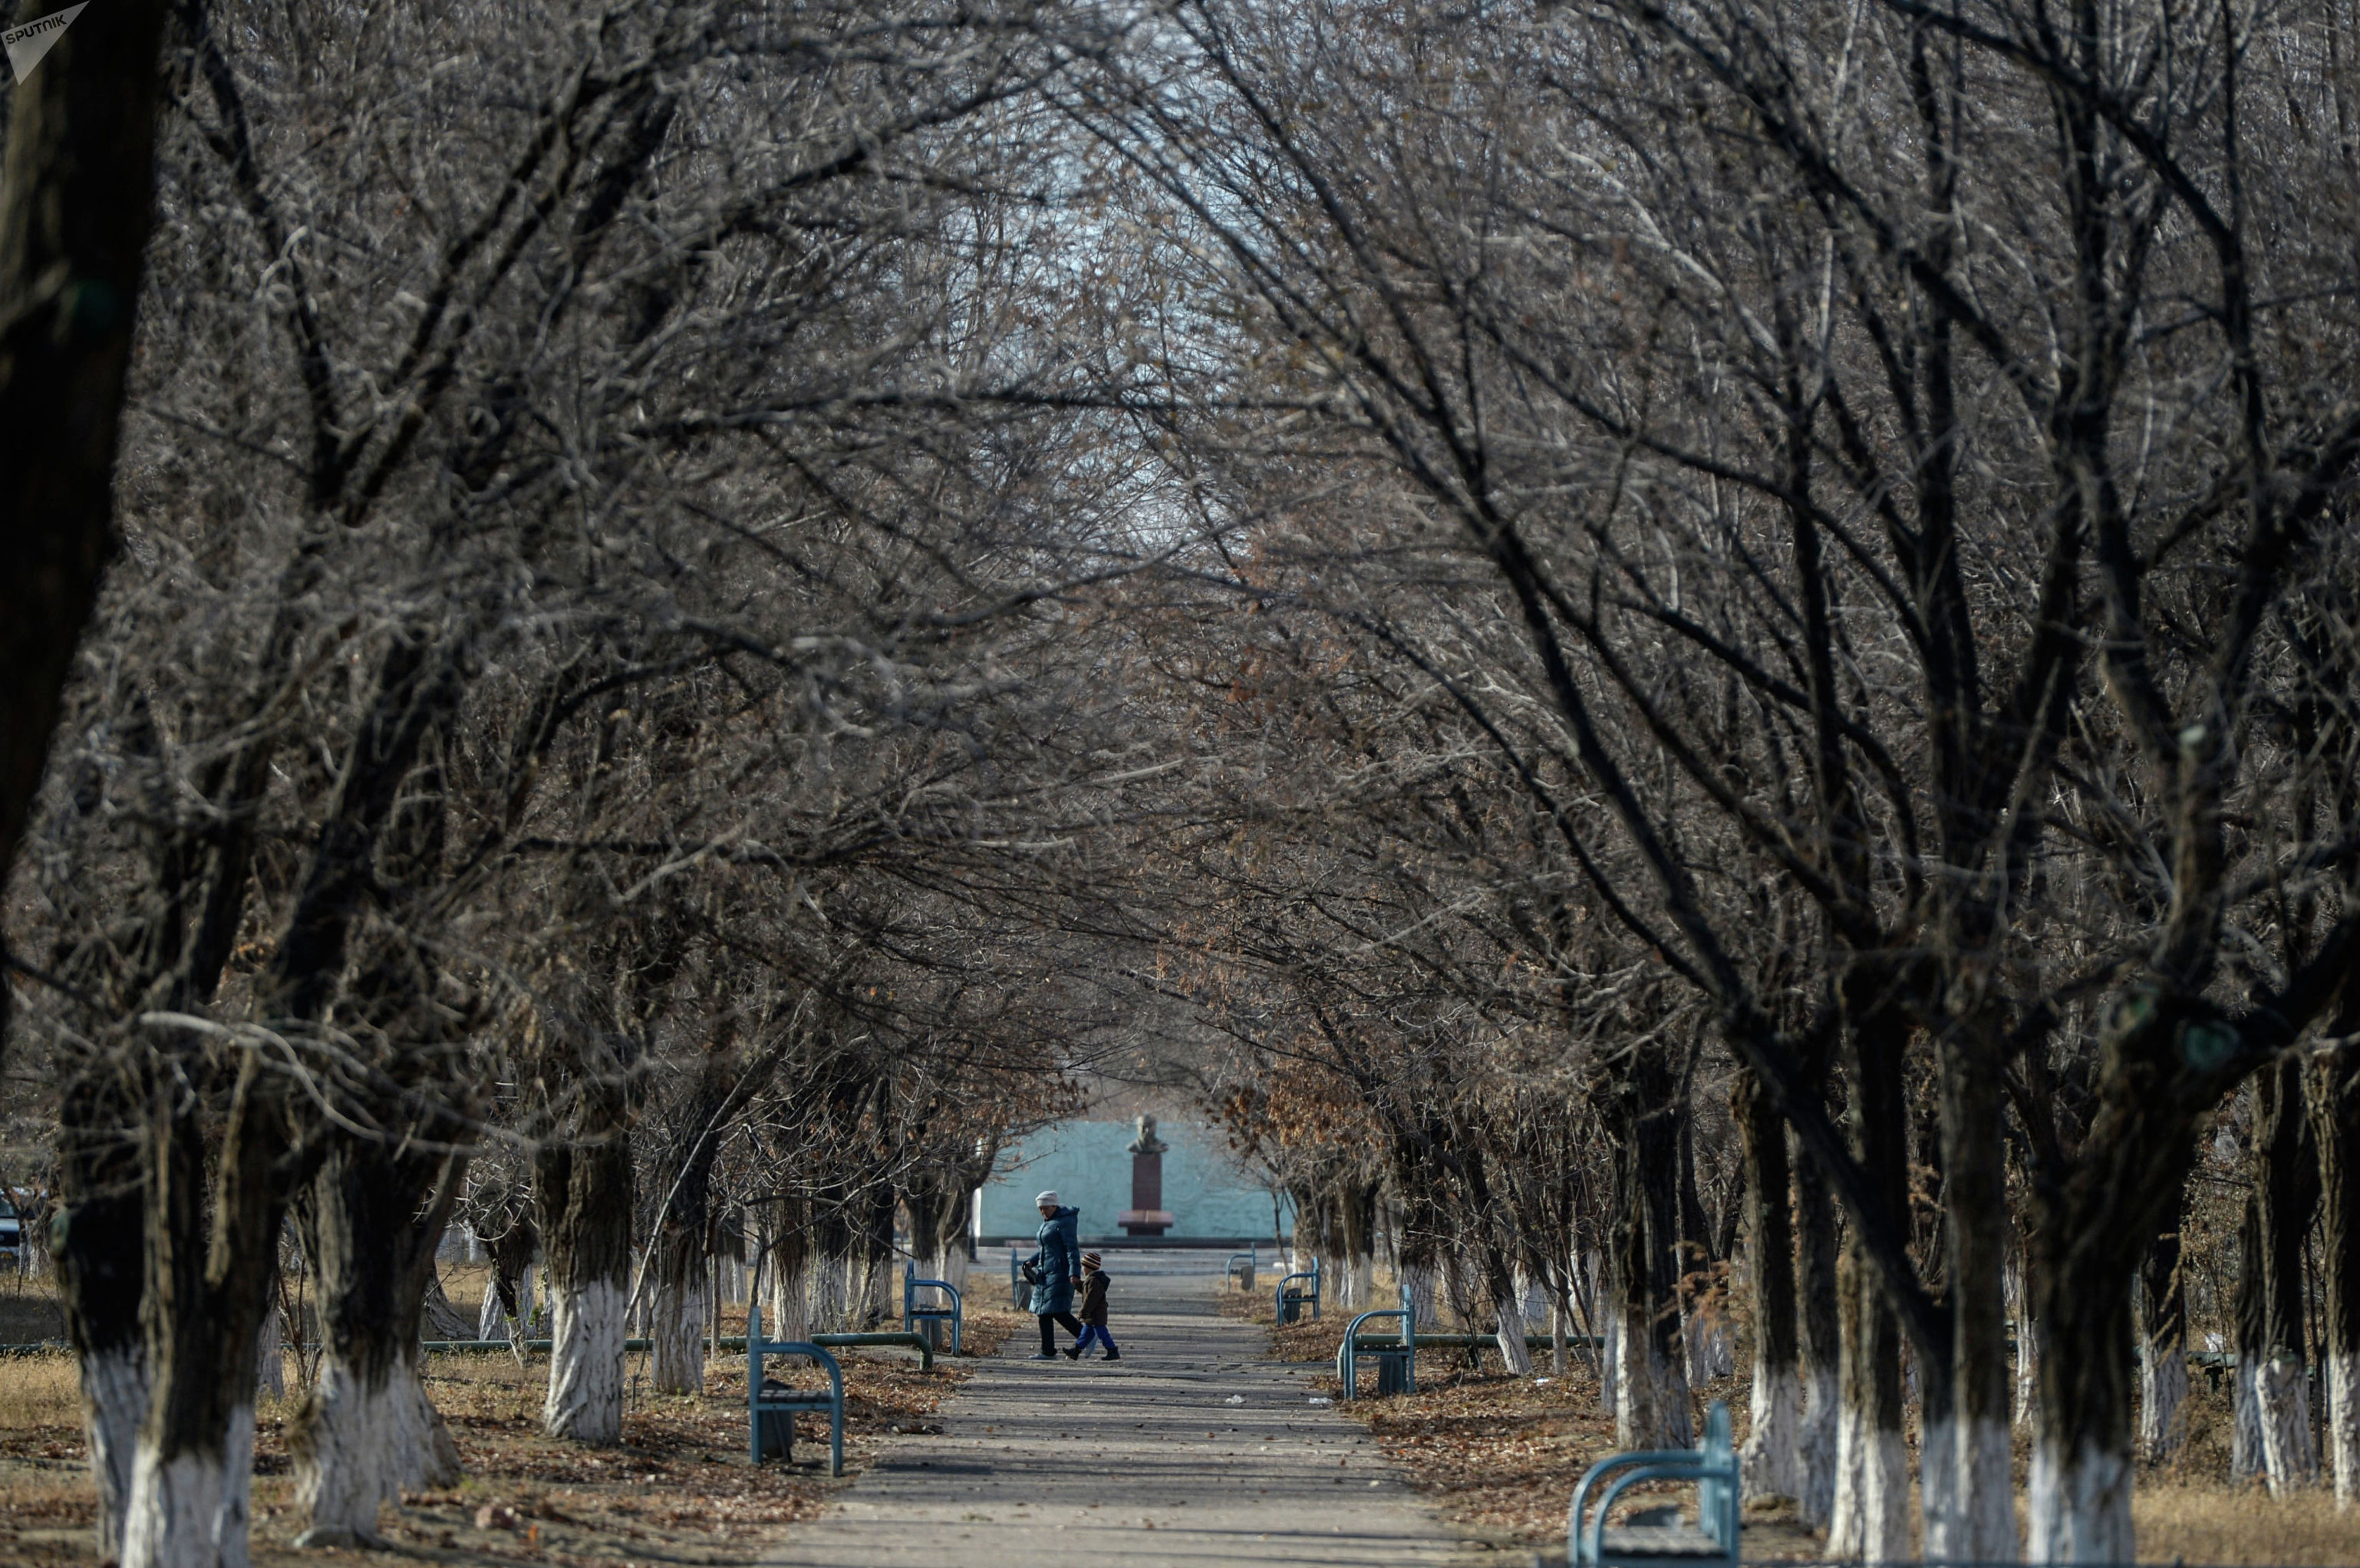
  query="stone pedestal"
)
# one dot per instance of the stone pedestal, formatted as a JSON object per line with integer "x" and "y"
{"x": 1146, "y": 1216}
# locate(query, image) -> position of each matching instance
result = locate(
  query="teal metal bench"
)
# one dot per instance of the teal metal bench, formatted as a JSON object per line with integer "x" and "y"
{"x": 1396, "y": 1368}
{"x": 1241, "y": 1267}
{"x": 1286, "y": 1308}
{"x": 952, "y": 1310}
{"x": 1713, "y": 1537}
{"x": 771, "y": 1407}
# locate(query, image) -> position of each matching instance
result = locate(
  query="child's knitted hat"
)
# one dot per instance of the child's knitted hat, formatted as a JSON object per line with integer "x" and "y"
{"x": 1090, "y": 1260}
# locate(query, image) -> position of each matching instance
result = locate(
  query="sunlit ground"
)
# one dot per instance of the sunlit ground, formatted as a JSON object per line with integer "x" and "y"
{"x": 1500, "y": 1457}
{"x": 679, "y": 1489}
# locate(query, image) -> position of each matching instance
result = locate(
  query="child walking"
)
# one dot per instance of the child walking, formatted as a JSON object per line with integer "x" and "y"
{"x": 1094, "y": 1310}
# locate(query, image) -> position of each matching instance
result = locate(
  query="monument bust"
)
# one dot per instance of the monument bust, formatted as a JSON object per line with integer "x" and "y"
{"x": 1147, "y": 1142}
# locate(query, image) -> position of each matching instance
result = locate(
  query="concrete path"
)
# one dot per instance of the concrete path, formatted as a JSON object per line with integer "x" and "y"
{"x": 1191, "y": 1451}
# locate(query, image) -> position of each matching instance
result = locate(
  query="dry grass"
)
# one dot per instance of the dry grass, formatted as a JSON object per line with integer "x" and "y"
{"x": 679, "y": 1488}
{"x": 1500, "y": 1457}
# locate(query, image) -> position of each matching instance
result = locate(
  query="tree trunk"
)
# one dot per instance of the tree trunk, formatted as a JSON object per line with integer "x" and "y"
{"x": 371, "y": 1220}
{"x": 583, "y": 1191}
{"x": 683, "y": 1281}
{"x": 102, "y": 1270}
{"x": 682, "y": 1309}
{"x": 1356, "y": 1282}
{"x": 1650, "y": 1407}
{"x": 1975, "y": 1522}
{"x": 1869, "y": 1515}
{"x": 208, "y": 1285}
{"x": 270, "y": 1357}
{"x": 1822, "y": 1338}
{"x": 2163, "y": 1344}
{"x": 1773, "y": 1454}
{"x": 1507, "y": 1294}
{"x": 75, "y": 206}
{"x": 2334, "y": 1094}
{"x": 2274, "y": 1381}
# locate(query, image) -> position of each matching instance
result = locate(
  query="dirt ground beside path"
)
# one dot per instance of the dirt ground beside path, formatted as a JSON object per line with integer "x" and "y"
{"x": 1500, "y": 1457}
{"x": 678, "y": 1490}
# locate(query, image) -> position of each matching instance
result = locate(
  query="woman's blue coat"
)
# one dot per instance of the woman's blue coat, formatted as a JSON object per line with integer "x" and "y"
{"x": 1055, "y": 1262}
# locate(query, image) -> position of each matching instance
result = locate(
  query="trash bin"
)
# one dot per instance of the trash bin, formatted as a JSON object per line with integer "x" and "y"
{"x": 778, "y": 1430}
{"x": 929, "y": 1327}
{"x": 1290, "y": 1308}
{"x": 1394, "y": 1374}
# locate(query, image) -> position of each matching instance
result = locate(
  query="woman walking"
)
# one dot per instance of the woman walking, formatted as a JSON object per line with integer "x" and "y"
{"x": 1054, "y": 1268}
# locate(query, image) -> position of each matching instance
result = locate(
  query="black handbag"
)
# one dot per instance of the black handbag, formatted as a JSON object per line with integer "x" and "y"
{"x": 1031, "y": 1271}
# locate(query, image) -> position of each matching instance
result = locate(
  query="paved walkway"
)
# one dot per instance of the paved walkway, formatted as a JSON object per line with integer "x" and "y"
{"x": 1191, "y": 1451}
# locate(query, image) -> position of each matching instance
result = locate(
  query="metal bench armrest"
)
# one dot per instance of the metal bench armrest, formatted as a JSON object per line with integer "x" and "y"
{"x": 1687, "y": 1466}
{"x": 1605, "y": 1467}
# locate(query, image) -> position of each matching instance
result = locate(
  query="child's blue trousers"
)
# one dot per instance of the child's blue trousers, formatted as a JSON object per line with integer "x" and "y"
{"x": 1099, "y": 1333}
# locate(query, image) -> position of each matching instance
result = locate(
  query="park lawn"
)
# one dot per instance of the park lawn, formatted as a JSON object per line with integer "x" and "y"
{"x": 678, "y": 1489}
{"x": 1500, "y": 1457}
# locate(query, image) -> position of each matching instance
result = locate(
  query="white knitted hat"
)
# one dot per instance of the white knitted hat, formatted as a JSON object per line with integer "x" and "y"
{"x": 1046, "y": 1201}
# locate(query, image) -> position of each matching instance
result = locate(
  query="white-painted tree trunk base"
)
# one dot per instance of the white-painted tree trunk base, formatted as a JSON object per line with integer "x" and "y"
{"x": 1511, "y": 1337}
{"x": 1942, "y": 1507}
{"x": 2282, "y": 1403}
{"x": 787, "y": 1313}
{"x": 586, "y": 1363}
{"x": 2343, "y": 1425}
{"x": 1771, "y": 1460}
{"x": 1610, "y": 1373}
{"x": 679, "y": 1320}
{"x": 2162, "y": 1395}
{"x": 1651, "y": 1411}
{"x": 113, "y": 1402}
{"x": 2079, "y": 1504}
{"x": 358, "y": 1447}
{"x": 1966, "y": 1491}
{"x": 1869, "y": 1514}
{"x": 1987, "y": 1481}
{"x": 2245, "y": 1422}
{"x": 193, "y": 1511}
{"x": 827, "y": 1285}
{"x": 1817, "y": 1447}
